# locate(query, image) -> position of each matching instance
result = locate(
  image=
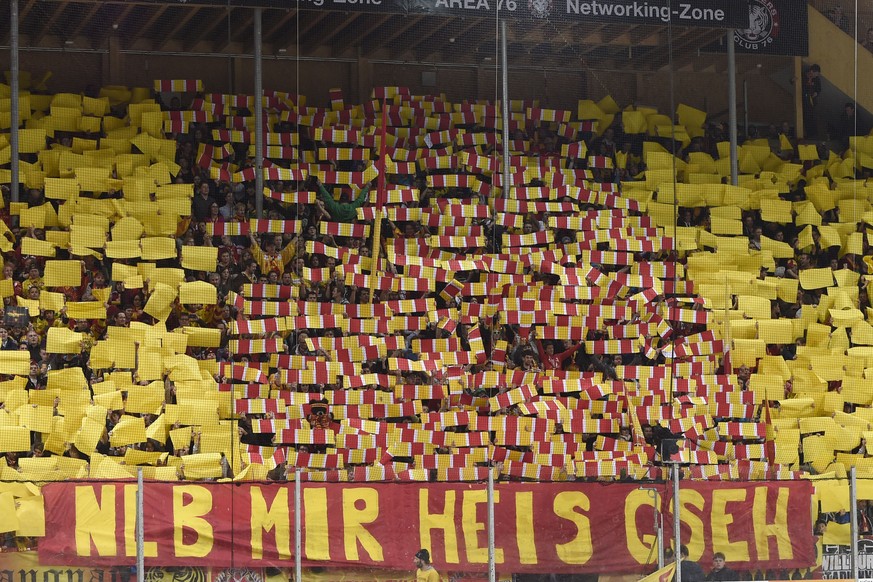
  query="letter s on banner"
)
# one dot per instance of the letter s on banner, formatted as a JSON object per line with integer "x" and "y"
{"x": 578, "y": 550}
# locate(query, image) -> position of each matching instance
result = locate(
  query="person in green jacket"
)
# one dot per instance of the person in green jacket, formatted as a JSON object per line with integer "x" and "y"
{"x": 341, "y": 211}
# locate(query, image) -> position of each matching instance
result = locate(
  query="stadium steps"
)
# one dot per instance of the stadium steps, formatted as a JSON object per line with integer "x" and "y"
{"x": 834, "y": 50}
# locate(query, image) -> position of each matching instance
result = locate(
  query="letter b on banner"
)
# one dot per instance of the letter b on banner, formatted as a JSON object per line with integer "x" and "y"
{"x": 190, "y": 516}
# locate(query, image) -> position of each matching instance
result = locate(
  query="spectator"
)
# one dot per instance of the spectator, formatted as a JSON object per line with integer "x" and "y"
{"x": 690, "y": 570}
{"x": 424, "y": 571}
{"x": 867, "y": 42}
{"x": 341, "y": 211}
{"x": 201, "y": 202}
{"x": 720, "y": 572}
{"x": 835, "y": 14}
{"x": 811, "y": 91}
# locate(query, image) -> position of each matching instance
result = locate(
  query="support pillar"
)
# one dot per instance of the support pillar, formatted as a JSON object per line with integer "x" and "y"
{"x": 365, "y": 79}
{"x": 259, "y": 116}
{"x": 14, "y": 113}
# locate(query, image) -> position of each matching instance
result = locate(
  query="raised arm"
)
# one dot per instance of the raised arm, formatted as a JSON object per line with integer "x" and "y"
{"x": 569, "y": 352}
{"x": 257, "y": 252}
{"x": 331, "y": 205}
{"x": 290, "y": 251}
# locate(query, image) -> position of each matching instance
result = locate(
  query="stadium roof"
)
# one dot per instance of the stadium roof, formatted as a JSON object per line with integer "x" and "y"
{"x": 190, "y": 27}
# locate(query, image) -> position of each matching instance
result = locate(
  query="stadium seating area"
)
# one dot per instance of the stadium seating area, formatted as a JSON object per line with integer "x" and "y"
{"x": 401, "y": 313}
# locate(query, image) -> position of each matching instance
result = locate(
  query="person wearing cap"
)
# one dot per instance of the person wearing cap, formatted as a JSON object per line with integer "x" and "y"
{"x": 424, "y": 572}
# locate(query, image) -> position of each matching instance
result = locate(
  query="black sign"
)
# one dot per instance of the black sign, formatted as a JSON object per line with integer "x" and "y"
{"x": 836, "y": 561}
{"x": 776, "y": 27}
{"x": 687, "y": 13}
{"x": 693, "y": 13}
{"x": 16, "y": 316}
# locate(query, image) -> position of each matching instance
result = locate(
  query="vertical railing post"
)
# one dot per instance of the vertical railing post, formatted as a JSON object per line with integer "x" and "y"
{"x": 504, "y": 66}
{"x": 492, "y": 567}
{"x": 298, "y": 529}
{"x": 732, "y": 104}
{"x": 259, "y": 116}
{"x": 853, "y": 512}
{"x": 14, "y": 114}
{"x": 677, "y": 524}
{"x": 140, "y": 526}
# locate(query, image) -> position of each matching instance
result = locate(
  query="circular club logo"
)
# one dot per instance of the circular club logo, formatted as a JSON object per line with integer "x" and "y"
{"x": 540, "y": 8}
{"x": 763, "y": 26}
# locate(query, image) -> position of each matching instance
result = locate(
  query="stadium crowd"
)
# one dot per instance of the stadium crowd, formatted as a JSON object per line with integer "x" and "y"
{"x": 399, "y": 314}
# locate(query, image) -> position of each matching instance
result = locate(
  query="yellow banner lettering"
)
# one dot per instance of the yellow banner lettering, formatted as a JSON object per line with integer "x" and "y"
{"x": 777, "y": 529}
{"x": 696, "y": 543}
{"x": 721, "y": 519}
{"x": 640, "y": 546}
{"x": 190, "y": 516}
{"x": 444, "y": 521}
{"x": 95, "y": 521}
{"x": 472, "y": 527}
{"x": 275, "y": 518}
{"x": 316, "y": 533}
{"x": 578, "y": 550}
{"x": 524, "y": 528}
{"x": 355, "y": 518}
{"x": 150, "y": 549}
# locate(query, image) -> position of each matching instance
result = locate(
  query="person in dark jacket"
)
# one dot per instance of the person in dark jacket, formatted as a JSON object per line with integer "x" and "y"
{"x": 691, "y": 571}
{"x": 720, "y": 572}
{"x": 811, "y": 90}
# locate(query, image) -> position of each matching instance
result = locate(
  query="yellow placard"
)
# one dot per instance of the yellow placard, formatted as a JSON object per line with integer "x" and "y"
{"x": 199, "y": 258}
{"x": 63, "y": 273}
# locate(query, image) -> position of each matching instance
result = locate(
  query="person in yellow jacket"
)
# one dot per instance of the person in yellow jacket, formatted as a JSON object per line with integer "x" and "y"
{"x": 270, "y": 259}
{"x": 424, "y": 571}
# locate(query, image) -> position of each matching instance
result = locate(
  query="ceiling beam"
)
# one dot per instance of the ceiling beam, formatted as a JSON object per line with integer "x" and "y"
{"x": 347, "y": 22}
{"x": 180, "y": 25}
{"x": 610, "y": 35}
{"x": 315, "y": 35}
{"x": 119, "y": 20}
{"x": 462, "y": 44}
{"x": 350, "y": 40}
{"x": 592, "y": 41}
{"x": 56, "y": 13}
{"x": 438, "y": 46}
{"x": 26, "y": 10}
{"x": 277, "y": 26}
{"x": 86, "y": 20}
{"x": 530, "y": 36}
{"x": 205, "y": 31}
{"x": 594, "y": 35}
{"x": 692, "y": 39}
{"x": 385, "y": 41}
{"x": 153, "y": 19}
{"x": 413, "y": 43}
{"x": 245, "y": 25}
{"x": 645, "y": 34}
{"x": 302, "y": 31}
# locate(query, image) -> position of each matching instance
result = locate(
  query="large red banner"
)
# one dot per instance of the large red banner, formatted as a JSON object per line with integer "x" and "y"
{"x": 540, "y": 527}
